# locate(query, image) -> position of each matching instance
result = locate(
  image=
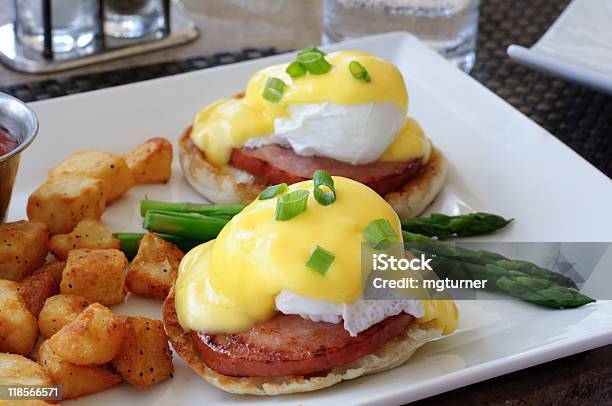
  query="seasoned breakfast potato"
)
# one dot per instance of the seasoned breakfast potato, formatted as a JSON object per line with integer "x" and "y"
{"x": 145, "y": 358}
{"x": 17, "y": 370}
{"x": 18, "y": 328}
{"x": 23, "y": 248}
{"x": 62, "y": 202}
{"x": 35, "y": 289}
{"x": 97, "y": 275}
{"x": 151, "y": 161}
{"x": 75, "y": 380}
{"x": 86, "y": 234}
{"x": 155, "y": 267}
{"x": 110, "y": 168}
{"x": 94, "y": 337}
{"x": 55, "y": 269}
{"x": 58, "y": 311}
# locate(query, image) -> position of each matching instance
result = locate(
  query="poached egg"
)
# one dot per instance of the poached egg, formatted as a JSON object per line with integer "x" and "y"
{"x": 257, "y": 267}
{"x": 332, "y": 115}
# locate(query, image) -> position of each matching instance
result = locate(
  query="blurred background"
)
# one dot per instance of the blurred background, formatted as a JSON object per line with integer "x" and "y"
{"x": 124, "y": 41}
{"x": 54, "y": 35}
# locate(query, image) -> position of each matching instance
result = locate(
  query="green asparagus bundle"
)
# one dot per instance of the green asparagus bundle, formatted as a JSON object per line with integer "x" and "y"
{"x": 465, "y": 225}
{"x": 483, "y": 257}
{"x": 521, "y": 279}
{"x": 189, "y": 224}
{"x": 183, "y": 224}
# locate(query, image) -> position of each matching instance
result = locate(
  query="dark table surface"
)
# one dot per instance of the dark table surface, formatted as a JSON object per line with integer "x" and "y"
{"x": 579, "y": 117}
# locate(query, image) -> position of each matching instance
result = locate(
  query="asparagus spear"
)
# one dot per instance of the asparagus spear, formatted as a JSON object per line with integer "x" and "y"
{"x": 444, "y": 227}
{"x": 191, "y": 226}
{"x": 130, "y": 241}
{"x": 538, "y": 287}
{"x": 539, "y": 291}
{"x": 484, "y": 257}
{"x": 226, "y": 211}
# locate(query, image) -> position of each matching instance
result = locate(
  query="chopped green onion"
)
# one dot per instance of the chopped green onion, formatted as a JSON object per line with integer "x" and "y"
{"x": 320, "y": 260}
{"x": 273, "y": 91}
{"x": 359, "y": 72}
{"x": 273, "y": 191}
{"x": 291, "y": 204}
{"x": 380, "y": 234}
{"x": 311, "y": 49}
{"x": 324, "y": 190}
{"x": 295, "y": 69}
{"x": 314, "y": 62}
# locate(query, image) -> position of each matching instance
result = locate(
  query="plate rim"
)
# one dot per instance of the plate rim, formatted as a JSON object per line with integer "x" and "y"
{"x": 469, "y": 375}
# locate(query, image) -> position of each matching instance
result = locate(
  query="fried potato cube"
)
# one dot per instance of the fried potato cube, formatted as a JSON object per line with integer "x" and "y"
{"x": 145, "y": 358}
{"x": 18, "y": 328}
{"x": 94, "y": 337}
{"x": 55, "y": 269}
{"x": 151, "y": 161}
{"x": 62, "y": 202}
{"x": 58, "y": 311}
{"x": 35, "y": 289}
{"x": 155, "y": 267}
{"x": 42, "y": 284}
{"x": 109, "y": 168}
{"x": 17, "y": 370}
{"x": 97, "y": 275}
{"x": 75, "y": 380}
{"x": 86, "y": 234}
{"x": 23, "y": 248}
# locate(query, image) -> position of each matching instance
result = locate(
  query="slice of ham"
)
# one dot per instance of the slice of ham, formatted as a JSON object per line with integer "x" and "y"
{"x": 288, "y": 345}
{"x": 275, "y": 164}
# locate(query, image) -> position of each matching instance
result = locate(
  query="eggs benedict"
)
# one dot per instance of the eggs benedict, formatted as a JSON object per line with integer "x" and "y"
{"x": 274, "y": 305}
{"x": 343, "y": 112}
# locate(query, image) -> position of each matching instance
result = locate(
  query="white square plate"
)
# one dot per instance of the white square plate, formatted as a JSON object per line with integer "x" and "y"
{"x": 500, "y": 161}
{"x": 577, "y": 47}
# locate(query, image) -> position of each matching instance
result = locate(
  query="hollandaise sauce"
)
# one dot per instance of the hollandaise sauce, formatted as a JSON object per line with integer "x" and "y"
{"x": 230, "y": 123}
{"x": 230, "y": 284}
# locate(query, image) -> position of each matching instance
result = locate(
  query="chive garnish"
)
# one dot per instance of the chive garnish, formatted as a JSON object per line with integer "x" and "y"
{"x": 314, "y": 61}
{"x": 295, "y": 69}
{"x": 320, "y": 260}
{"x": 273, "y": 191}
{"x": 324, "y": 190}
{"x": 312, "y": 49}
{"x": 273, "y": 90}
{"x": 359, "y": 72}
{"x": 291, "y": 204}
{"x": 380, "y": 234}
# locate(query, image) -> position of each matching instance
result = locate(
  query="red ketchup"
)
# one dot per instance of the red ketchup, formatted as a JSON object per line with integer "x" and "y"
{"x": 7, "y": 142}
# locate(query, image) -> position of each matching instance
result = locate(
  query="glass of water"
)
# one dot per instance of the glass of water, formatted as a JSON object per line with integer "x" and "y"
{"x": 133, "y": 18}
{"x": 448, "y": 26}
{"x": 74, "y": 23}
